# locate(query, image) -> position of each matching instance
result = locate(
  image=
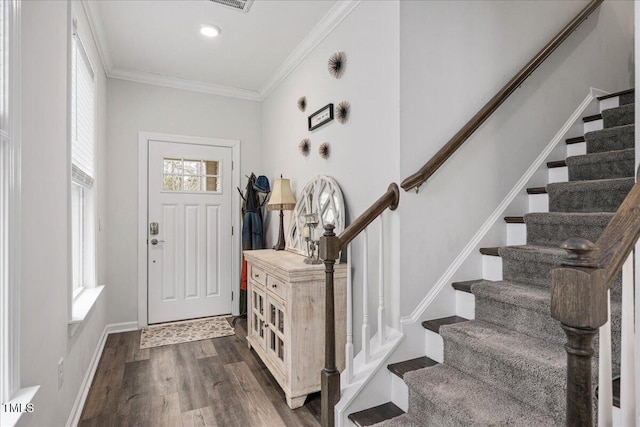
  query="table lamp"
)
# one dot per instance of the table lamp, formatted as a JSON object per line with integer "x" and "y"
{"x": 281, "y": 199}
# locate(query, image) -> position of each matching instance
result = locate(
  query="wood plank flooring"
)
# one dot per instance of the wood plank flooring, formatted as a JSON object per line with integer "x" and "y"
{"x": 210, "y": 383}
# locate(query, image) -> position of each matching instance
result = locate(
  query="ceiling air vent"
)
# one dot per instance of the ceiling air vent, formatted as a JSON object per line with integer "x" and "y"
{"x": 240, "y": 5}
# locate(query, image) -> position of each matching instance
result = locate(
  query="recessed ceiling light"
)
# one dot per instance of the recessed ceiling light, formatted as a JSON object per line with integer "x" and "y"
{"x": 210, "y": 30}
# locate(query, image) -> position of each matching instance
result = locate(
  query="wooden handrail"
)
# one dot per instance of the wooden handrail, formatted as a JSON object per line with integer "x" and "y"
{"x": 330, "y": 247}
{"x": 620, "y": 237}
{"x": 425, "y": 172}
{"x": 389, "y": 200}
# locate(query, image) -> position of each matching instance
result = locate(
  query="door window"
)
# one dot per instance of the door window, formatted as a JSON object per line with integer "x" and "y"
{"x": 191, "y": 175}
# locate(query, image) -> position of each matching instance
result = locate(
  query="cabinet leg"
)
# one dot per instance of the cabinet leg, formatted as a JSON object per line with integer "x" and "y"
{"x": 296, "y": 402}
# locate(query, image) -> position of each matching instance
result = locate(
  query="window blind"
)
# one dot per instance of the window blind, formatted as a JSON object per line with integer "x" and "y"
{"x": 82, "y": 117}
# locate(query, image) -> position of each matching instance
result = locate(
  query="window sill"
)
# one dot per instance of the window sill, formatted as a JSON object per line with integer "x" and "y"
{"x": 20, "y": 403}
{"x": 82, "y": 306}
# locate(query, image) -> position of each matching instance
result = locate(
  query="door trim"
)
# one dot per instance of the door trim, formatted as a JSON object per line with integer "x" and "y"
{"x": 143, "y": 175}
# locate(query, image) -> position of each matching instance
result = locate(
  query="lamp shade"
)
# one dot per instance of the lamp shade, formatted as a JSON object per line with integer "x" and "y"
{"x": 281, "y": 196}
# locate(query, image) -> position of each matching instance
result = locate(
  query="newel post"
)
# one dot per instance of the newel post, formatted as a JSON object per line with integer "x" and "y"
{"x": 330, "y": 376}
{"x": 579, "y": 302}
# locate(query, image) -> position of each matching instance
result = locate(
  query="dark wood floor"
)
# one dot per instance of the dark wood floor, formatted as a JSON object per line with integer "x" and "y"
{"x": 216, "y": 382}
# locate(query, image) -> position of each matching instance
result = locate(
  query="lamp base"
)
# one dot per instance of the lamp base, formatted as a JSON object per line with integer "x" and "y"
{"x": 280, "y": 245}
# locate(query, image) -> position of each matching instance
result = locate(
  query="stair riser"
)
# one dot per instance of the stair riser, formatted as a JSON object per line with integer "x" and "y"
{"x": 627, "y": 98}
{"x": 520, "y": 320}
{"x": 544, "y": 390}
{"x": 431, "y": 414}
{"x": 610, "y": 140}
{"x": 620, "y": 116}
{"x": 602, "y": 170}
{"x": 556, "y": 234}
{"x": 541, "y": 325}
{"x": 605, "y": 198}
{"x": 525, "y": 270}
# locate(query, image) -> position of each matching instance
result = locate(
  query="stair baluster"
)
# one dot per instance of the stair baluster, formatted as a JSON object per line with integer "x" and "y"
{"x": 366, "y": 338}
{"x": 605, "y": 387}
{"x": 381, "y": 316}
{"x": 627, "y": 356}
{"x": 348, "y": 347}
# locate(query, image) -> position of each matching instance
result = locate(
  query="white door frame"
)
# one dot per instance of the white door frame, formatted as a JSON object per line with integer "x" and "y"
{"x": 143, "y": 177}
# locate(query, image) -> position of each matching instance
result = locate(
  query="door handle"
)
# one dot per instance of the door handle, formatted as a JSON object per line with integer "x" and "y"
{"x": 156, "y": 241}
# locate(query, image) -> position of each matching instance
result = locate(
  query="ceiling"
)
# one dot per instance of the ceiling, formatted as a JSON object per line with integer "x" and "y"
{"x": 159, "y": 41}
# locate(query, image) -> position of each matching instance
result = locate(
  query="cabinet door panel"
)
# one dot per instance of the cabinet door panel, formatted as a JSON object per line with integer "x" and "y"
{"x": 258, "y": 307}
{"x": 276, "y": 333}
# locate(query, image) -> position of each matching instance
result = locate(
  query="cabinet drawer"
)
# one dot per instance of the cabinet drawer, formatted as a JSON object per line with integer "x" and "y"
{"x": 258, "y": 275}
{"x": 277, "y": 287}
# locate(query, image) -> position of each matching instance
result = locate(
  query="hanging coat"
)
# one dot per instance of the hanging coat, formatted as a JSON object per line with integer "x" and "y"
{"x": 252, "y": 232}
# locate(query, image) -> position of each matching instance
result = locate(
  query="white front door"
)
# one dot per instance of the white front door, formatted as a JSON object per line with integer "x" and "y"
{"x": 189, "y": 231}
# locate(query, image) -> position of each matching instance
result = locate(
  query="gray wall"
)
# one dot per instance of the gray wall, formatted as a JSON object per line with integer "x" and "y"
{"x": 364, "y": 152}
{"x": 135, "y": 107}
{"x": 454, "y": 57}
{"x": 45, "y": 250}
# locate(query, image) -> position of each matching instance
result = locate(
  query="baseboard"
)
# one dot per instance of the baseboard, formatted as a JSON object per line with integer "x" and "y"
{"x": 121, "y": 327}
{"x": 78, "y": 405}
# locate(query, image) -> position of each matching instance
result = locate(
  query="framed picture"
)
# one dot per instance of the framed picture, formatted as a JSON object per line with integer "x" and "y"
{"x": 320, "y": 117}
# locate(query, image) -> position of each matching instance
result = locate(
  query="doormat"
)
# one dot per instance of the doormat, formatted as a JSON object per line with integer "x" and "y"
{"x": 185, "y": 331}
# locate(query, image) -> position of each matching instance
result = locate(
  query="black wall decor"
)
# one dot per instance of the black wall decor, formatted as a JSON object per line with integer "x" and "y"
{"x": 302, "y": 103}
{"x": 321, "y": 117}
{"x": 337, "y": 64}
{"x": 304, "y": 147}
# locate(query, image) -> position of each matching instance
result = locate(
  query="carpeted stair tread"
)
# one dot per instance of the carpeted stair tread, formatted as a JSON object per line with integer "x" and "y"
{"x": 526, "y": 309}
{"x": 614, "y": 138}
{"x": 445, "y": 397}
{"x": 375, "y": 415}
{"x": 602, "y": 195}
{"x": 434, "y": 325}
{"x": 467, "y": 285}
{"x": 401, "y": 368}
{"x": 604, "y": 165}
{"x": 623, "y": 115}
{"x": 533, "y": 298}
{"x": 530, "y": 264}
{"x": 553, "y": 228}
{"x": 528, "y": 369}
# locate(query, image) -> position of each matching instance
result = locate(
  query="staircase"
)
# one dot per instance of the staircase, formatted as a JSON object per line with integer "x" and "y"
{"x": 508, "y": 365}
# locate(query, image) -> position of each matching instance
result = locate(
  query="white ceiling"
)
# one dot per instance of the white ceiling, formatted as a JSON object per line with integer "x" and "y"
{"x": 159, "y": 41}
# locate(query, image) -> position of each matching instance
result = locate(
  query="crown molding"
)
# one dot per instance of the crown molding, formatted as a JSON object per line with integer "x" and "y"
{"x": 184, "y": 84}
{"x": 327, "y": 24}
{"x": 99, "y": 36}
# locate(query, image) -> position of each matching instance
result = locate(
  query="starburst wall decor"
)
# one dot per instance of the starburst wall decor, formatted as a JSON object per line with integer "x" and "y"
{"x": 337, "y": 64}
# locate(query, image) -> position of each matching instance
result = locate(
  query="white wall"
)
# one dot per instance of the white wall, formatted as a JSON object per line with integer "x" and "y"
{"x": 45, "y": 189}
{"x": 454, "y": 57}
{"x": 135, "y": 107}
{"x": 364, "y": 152}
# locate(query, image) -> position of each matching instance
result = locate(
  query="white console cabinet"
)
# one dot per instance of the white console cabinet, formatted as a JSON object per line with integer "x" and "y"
{"x": 286, "y": 300}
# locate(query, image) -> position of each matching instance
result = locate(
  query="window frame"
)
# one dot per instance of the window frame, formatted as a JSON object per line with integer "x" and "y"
{"x": 82, "y": 261}
{"x": 10, "y": 214}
